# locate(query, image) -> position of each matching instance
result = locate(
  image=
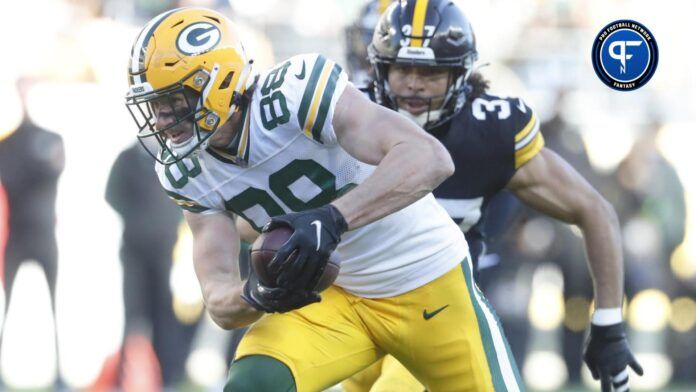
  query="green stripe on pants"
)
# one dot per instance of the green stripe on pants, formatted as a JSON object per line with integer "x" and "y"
{"x": 505, "y": 376}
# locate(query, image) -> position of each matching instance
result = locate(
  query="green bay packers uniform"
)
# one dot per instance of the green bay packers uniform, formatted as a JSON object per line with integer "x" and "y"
{"x": 286, "y": 158}
{"x": 405, "y": 286}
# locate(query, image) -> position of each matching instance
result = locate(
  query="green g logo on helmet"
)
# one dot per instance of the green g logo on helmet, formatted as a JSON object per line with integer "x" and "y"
{"x": 198, "y": 38}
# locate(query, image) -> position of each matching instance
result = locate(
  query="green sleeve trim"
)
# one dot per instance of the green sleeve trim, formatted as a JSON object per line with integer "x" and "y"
{"x": 309, "y": 90}
{"x": 326, "y": 102}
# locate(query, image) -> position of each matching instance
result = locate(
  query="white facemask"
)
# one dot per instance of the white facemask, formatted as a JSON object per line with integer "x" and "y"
{"x": 422, "y": 118}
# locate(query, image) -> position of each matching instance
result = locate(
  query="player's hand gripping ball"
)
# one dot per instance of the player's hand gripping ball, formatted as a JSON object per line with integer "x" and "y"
{"x": 264, "y": 249}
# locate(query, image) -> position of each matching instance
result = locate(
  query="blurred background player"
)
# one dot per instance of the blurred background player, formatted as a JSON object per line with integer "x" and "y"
{"x": 496, "y": 144}
{"x": 358, "y": 36}
{"x": 4, "y": 224}
{"x": 156, "y": 343}
{"x": 31, "y": 161}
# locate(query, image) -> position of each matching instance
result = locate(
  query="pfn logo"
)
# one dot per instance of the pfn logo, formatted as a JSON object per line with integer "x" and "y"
{"x": 624, "y": 55}
{"x": 621, "y": 54}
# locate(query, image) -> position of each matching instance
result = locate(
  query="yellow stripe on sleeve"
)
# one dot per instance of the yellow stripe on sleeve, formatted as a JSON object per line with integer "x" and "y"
{"x": 383, "y": 4}
{"x": 527, "y": 128}
{"x": 418, "y": 22}
{"x": 316, "y": 98}
{"x": 529, "y": 151}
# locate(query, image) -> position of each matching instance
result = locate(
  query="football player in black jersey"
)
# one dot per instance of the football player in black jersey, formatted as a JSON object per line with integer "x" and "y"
{"x": 423, "y": 54}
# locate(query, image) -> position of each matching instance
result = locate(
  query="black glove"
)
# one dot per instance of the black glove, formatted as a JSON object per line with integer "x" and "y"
{"x": 300, "y": 262}
{"x": 607, "y": 355}
{"x": 275, "y": 299}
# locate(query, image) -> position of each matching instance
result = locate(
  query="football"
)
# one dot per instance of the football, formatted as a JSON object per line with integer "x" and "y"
{"x": 264, "y": 249}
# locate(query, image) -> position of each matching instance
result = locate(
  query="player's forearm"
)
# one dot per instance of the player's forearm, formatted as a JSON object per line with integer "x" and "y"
{"x": 408, "y": 172}
{"x": 601, "y": 231}
{"x": 226, "y": 306}
{"x": 220, "y": 283}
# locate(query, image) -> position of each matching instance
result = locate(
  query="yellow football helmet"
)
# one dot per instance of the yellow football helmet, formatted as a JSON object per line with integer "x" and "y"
{"x": 194, "y": 51}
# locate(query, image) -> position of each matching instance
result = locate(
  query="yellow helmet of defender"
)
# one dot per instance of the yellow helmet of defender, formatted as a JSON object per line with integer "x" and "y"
{"x": 194, "y": 51}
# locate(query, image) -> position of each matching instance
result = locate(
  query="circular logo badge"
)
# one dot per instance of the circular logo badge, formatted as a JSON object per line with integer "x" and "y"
{"x": 624, "y": 55}
{"x": 198, "y": 38}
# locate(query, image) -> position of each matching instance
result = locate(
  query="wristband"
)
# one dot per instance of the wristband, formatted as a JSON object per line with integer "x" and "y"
{"x": 607, "y": 316}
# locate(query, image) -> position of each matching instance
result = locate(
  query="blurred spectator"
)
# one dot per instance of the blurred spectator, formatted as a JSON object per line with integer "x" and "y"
{"x": 565, "y": 139}
{"x": 652, "y": 210}
{"x": 135, "y": 11}
{"x": 651, "y": 206}
{"x": 4, "y": 222}
{"x": 156, "y": 344}
{"x": 357, "y": 36}
{"x": 31, "y": 161}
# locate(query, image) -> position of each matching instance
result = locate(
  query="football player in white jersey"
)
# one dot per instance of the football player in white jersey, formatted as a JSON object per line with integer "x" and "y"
{"x": 298, "y": 146}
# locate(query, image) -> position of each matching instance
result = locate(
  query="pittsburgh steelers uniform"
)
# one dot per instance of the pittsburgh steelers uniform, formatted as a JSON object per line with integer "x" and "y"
{"x": 405, "y": 286}
{"x": 489, "y": 139}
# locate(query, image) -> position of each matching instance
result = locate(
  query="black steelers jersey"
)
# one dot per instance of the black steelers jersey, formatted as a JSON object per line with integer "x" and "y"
{"x": 489, "y": 139}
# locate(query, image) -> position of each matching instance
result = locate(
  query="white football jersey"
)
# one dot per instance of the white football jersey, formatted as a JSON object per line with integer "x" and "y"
{"x": 287, "y": 159}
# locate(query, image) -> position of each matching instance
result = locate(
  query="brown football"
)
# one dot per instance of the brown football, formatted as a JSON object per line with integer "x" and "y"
{"x": 265, "y": 247}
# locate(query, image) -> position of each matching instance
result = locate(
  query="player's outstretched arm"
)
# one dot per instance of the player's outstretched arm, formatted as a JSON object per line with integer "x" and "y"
{"x": 410, "y": 162}
{"x": 215, "y": 250}
{"x": 549, "y": 184}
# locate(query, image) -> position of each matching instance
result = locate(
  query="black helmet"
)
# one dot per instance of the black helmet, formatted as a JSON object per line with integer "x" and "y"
{"x": 358, "y": 36}
{"x": 424, "y": 33}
